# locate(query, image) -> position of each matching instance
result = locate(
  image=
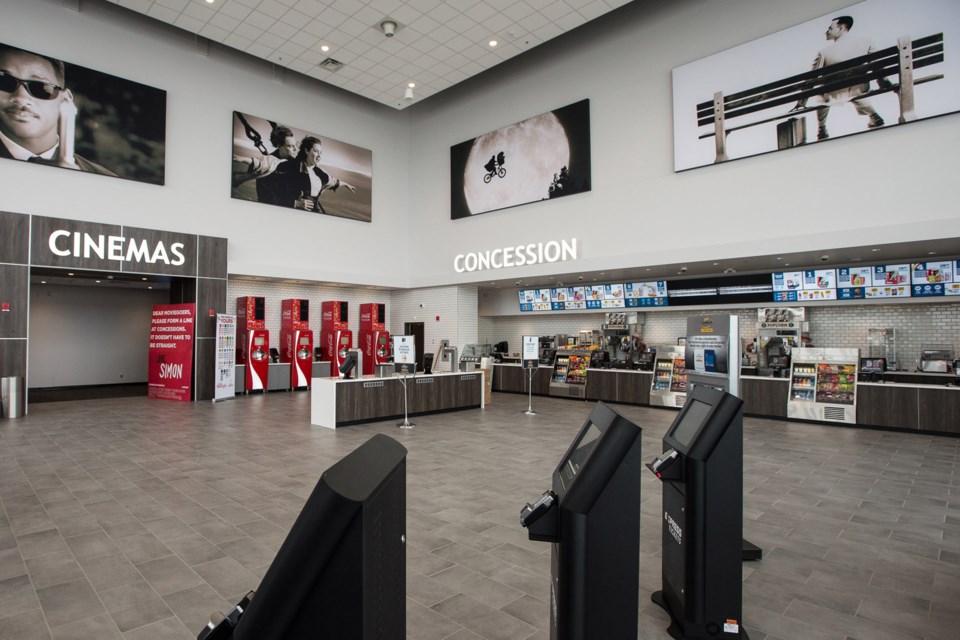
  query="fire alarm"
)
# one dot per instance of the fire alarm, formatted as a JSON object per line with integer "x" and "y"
{"x": 5, "y": 306}
{"x": 211, "y": 312}
{"x": 438, "y": 318}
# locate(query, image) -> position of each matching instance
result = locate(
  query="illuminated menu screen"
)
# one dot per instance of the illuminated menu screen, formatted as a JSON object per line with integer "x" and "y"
{"x": 890, "y": 281}
{"x": 646, "y": 294}
{"x": 805, "y": 286}
{"x": 933, "y": 279}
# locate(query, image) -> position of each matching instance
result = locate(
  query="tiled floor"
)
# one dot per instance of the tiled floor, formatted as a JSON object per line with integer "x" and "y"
{"x": 131, "y": 518}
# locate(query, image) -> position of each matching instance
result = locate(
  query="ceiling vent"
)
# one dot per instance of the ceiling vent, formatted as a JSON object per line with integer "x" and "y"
{"x": 331, "y": 65}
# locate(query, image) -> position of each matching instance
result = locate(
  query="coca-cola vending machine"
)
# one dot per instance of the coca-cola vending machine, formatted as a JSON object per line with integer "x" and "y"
{"x": 335, "y": 338}
{"x": 253, "y": 342}
{"x": 374, "y": 338}
{"x": 296, "y": 341}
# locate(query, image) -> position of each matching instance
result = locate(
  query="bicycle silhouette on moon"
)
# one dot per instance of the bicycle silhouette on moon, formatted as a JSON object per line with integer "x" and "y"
{"x": 494, "y": 168}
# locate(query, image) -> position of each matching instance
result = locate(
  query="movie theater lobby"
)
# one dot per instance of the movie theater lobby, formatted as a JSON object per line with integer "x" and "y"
{"x": 136, "y": 518}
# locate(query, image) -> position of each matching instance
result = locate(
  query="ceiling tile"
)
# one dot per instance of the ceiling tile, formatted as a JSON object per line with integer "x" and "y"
{"x": 259, "y": 50}
{"x": 331, "y": 17}
{"x": 259, "y": 20}
{"x": 310, "y": 7}
{"x": 224, "y": 21}
{"x": 305, "y": 39}
{"x": 176, "y": 5}
{"x": 283, "y": 30}
{"x": 353, "y": 27}
{"x": 237, "y": 41}
{"x": 248, "y": 31}
{"x": 162, "y": 13}
{"x": 235, "y": 10}
{"x": 518, "y": 10}
{"x": 272, "y": 8}
{"x": 190, "y": 24}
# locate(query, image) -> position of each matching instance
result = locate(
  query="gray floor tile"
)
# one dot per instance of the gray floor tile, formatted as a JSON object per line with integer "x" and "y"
{"x": 861, "y": 529}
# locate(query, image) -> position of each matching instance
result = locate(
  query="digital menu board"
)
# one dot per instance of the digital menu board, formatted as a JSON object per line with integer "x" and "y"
{"x": 953, "y": 288}
{"x": 646, "y": 294}
{"x": 535, "y": 300}
{"x": 852, "y": 282}
{"x": 890, "y": 281}
{"x": 594, "y": 296}
{"x": 931, "y": 278}
{"x": 567, "y": 299}
{"x": 613, "y": 296}
{"x": 805, "y": 286}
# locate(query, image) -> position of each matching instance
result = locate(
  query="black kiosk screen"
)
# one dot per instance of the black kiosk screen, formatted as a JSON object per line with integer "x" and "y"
{"x": 694, "y": 415}
{"x": 580, "y": 454}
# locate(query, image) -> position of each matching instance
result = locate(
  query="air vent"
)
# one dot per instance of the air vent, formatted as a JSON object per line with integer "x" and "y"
{"x": 834, "y": 413}
{"x": 331, "y": 65}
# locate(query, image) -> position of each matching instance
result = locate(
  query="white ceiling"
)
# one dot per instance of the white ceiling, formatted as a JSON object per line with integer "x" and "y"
{"x": 437, "y": 43}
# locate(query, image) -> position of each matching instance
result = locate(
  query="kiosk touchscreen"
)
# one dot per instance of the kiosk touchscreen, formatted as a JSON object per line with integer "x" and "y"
{"x": 701, "y": 468}
{"x": 592, "y": 518}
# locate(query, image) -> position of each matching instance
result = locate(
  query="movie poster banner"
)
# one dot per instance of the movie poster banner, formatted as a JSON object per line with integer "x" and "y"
{"x": 546, "y": 156}
{"x": 171, "y": 351}
{"x": 836, "y": 75}
{"x": 60, "y": 114}
{"x": 277, "y": 164}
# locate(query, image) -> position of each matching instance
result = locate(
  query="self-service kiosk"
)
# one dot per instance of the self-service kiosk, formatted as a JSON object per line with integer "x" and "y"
{"x": 296, "y": 341}
{"x": 253, "y": 342}
{"x": 335, "y": 338}
{"x": 702, "y": 473}
{"x": 374, "y": 338}
{"x": 592, "y": 518}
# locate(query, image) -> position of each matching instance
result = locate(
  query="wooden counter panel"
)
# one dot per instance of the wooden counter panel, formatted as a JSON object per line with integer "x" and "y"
{"x": 765, "y": 397}
{"x": 939, "y": 410}
{"x": 601, "y": 385}
{"x": 634, "y": 388}
{"x": 887, "y": 406}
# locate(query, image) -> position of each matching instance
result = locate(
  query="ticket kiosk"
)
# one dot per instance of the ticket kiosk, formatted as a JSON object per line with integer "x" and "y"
{"x": 702, "y": 473}
{"x": 253, "y": 342}
{"x": 296, "y": 341}
{"x": 592, "y": 518}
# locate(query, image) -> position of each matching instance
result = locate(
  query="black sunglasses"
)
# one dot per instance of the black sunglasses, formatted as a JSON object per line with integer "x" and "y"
{"x": 37, "y": 88}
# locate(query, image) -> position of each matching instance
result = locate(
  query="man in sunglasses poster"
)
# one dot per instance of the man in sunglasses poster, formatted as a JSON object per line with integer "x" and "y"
{"x": 39, "y": 118}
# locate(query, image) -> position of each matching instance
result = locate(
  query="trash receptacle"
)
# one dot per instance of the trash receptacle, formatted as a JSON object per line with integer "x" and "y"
{"x": 12, "y": 397}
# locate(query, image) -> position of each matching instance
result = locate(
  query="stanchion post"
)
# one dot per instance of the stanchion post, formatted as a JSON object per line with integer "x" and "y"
{"x": 406, "y": 424}
{"x": 530, "y": 411}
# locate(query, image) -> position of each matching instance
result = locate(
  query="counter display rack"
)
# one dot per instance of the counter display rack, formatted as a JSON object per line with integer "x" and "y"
{"x": 823, "y": 385}
{"x": 669, "y": 385}
{"x": 569, "y": 377}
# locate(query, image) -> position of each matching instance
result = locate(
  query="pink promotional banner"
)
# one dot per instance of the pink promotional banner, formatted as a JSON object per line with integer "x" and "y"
{"x": 171, "y": 351}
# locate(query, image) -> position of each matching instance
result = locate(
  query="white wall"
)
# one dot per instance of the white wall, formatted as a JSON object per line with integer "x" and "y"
{"x": 889, "y": 186}
{"x": 202, "y": 93}
{"x": 89, "y": 335}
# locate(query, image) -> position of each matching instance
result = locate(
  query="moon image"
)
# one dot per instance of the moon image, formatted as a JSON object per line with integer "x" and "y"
{"x": 534, "y": 151}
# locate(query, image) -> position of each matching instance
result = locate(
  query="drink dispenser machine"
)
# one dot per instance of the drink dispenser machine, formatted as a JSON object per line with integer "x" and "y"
{"x": 335, "y": 337}
{"x": 253, "y": 342}
{"x": 591, "y": 517}
{"x": 374, "y": 338}
{"x": 296, "y": 340}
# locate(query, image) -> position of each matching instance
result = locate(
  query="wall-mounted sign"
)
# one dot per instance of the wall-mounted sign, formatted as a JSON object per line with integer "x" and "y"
{"x": 517, "y": 256}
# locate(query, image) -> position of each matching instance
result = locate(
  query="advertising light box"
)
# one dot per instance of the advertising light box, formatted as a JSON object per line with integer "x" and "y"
{"x": 594, "y": 296}
{"x": 559, "y": 297}
{"x": 646, "y": 294}
{"x": 526, "y": 300}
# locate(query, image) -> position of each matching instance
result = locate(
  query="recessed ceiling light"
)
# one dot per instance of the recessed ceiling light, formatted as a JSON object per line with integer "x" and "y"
{"x": 43, "y": 282}
{"x": 786, "y": 264}
{"x": 149, "y": 287}
{"x": 714, "y": 264}
{"x": 97, "y": 281}
{"x": 931, "y": 253}
{"x": 144, "y": 279}
{"x": 874, "y": 250}
{"x": 411, "y": 84}
{"x": 779, "y": 258}
{"x": 493, "y": 43}
{"x": 210, "y": 1}
{"x": 324, "y": 48}
{"x": 70, "y": 273}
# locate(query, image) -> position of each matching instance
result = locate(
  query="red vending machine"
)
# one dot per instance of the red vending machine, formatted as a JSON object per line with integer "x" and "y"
{"x": 335, "y": 337}
{"x": 374, "y": 338}
{"x": 253, "y": 342}
{"x": 296, "y": 341}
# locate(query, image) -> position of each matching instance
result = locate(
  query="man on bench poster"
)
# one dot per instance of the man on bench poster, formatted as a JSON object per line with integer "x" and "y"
{"x": 843, "y": 47}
